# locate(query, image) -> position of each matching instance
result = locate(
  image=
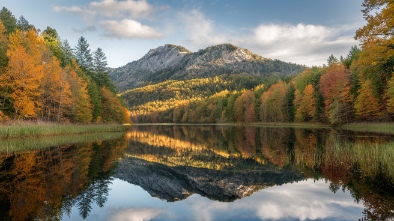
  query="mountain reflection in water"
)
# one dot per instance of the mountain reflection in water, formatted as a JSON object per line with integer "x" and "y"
{"x": 213, "y": 172}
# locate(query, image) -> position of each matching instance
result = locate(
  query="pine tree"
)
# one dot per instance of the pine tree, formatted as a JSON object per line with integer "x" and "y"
{"x": 67, "y": 54}
{"x": 100, "y": 70}
{"x": 83, "y": 55}
{"x": 24, "y": 25}
{"x": 3, "y": 47}
{"x": 52, "y": 40}
{"x": 8, "y": 20}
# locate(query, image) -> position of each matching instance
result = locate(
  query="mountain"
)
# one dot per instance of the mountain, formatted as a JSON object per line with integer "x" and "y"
{"x": 172, "y": 62}
{"x": 178, "y": 183}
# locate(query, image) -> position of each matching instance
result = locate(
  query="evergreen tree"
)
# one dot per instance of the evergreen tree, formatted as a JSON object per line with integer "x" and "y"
{"x": 67, "y": 54}
{"x": 3, "y": 46}
{"x": 24, "y": 25}
{"x": 332, "y": 60}
{"x": 83, "y": 55}
{"x": 52, "y": 40}
{"x": 100, "y": 71}
{"x": 8, "y": 19}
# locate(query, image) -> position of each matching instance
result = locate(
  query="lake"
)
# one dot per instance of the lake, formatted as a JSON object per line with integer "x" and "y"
{"x": 199, "y": 173}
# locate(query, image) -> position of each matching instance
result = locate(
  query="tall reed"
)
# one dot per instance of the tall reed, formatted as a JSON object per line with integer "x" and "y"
{"x": 12, "y": 131}
{"x": 16, "y": 145}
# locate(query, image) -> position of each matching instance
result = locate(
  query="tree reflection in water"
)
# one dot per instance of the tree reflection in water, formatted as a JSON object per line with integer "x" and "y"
{"x": 45, "y": 184}
{"x": 222, "y": 163}
{"x": 359, "y": 162}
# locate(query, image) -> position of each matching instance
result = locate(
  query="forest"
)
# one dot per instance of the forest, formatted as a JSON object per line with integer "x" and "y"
{"x": 357, "y": 87}
{"x": 43, "y": 78}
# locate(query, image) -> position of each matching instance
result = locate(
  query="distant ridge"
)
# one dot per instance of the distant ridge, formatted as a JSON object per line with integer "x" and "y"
{"x": 176, "y": 62}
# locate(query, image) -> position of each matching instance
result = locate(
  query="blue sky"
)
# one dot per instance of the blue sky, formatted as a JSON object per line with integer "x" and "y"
{"x": 298, "y": 31}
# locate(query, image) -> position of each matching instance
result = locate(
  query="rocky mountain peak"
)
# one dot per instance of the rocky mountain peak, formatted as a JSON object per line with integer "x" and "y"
{"x": 176, "y": 62}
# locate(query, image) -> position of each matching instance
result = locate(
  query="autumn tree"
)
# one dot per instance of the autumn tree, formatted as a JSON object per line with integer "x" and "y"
{"x": 244, "y": 107}
{"x": 376, "y": 60}
{"x": 274, "y": 104}
{"x": 390, "y": 96}
{"x": 367, "y": 105}
{"x": 113, "y": 110}
{"x": 298, "y": 114}
{"x": 81, "y": 107}
{"x": 23, "y": 80}
{"x": 56, "y": 96}
{"x": 306, "y": 104}
{"x": 335, "y": 89}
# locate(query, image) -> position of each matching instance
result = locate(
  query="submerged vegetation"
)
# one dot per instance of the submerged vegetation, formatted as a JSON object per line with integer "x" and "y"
{"x": 20, "y": 131}
{"x": 370, "y": 127}
{"x": 15, "y": 144}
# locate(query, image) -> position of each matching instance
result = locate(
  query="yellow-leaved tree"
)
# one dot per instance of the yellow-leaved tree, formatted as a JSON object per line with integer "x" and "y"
{"x": 22, "y": 80}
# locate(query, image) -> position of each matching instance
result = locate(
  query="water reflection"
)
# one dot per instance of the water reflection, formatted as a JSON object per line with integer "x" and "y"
{"x": 184, "y": 160}
{"x": 45, "y": 184}
{"x": 201, "y": 173}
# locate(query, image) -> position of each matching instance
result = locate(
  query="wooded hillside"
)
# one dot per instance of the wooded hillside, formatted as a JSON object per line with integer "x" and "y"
{"x": 357, "y": 87}
{"x": 43, "y": 78}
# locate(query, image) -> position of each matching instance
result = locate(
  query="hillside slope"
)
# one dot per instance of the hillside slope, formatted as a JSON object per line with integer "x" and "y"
{"x": 171, "y": 62}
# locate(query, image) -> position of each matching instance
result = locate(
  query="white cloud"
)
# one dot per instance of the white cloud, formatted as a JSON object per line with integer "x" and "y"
{"x": 111, "y": 8}
{"x": 305, "y": 200}
{"x": 272, "y": 33}
{"x": 201, "y": 31}
{"x": 134, "y": 214}
{"x": 114, "y": 16}
{"x": 128, "y": 28}
{"x": 73, "y": 9}
{"x": 301, "y": 43}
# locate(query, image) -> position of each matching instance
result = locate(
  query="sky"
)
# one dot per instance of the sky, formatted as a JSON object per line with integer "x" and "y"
{"x": 298, "y": 31}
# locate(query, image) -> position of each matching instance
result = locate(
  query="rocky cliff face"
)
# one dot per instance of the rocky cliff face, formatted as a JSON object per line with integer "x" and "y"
{"x": 177, "y": 183}
{"x": 135, "y": 73}
{"x": 176, "y": 62}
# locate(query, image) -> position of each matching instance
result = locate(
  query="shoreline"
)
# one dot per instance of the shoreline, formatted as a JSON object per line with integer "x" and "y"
{"x": 48, "y": 129}
{"x": 373, "y": 127}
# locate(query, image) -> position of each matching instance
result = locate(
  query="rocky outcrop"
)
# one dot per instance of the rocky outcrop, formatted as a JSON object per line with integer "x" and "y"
{"x": 135, "y": 73}
{"x": 177, "y": 183}
{"x": 176, "y": 62}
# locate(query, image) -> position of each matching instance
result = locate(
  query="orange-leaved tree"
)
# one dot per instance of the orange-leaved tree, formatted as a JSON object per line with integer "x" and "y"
{"x": 23, "y": 82}
{"x": 273, "y": 104}
{"x": 56, "y": 95}
{"x": 244, "y": 107}
{"x": 367, "y": 104}
{"x": 335, "y": 89}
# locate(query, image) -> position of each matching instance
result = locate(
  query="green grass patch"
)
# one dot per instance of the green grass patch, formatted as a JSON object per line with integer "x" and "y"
{"x": 27, "y": 144}
{"x": 387, "y": 128}
{"x": 12, "y": 131}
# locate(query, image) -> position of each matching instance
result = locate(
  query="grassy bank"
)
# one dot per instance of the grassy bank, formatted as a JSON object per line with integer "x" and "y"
{"x": 15, "y": 144}
{"x": 387, "y": 128}
{"x": 36, "y": 130}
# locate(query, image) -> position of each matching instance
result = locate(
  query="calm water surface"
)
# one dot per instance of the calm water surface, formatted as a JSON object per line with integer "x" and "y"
{"x": 201, "y": 173}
